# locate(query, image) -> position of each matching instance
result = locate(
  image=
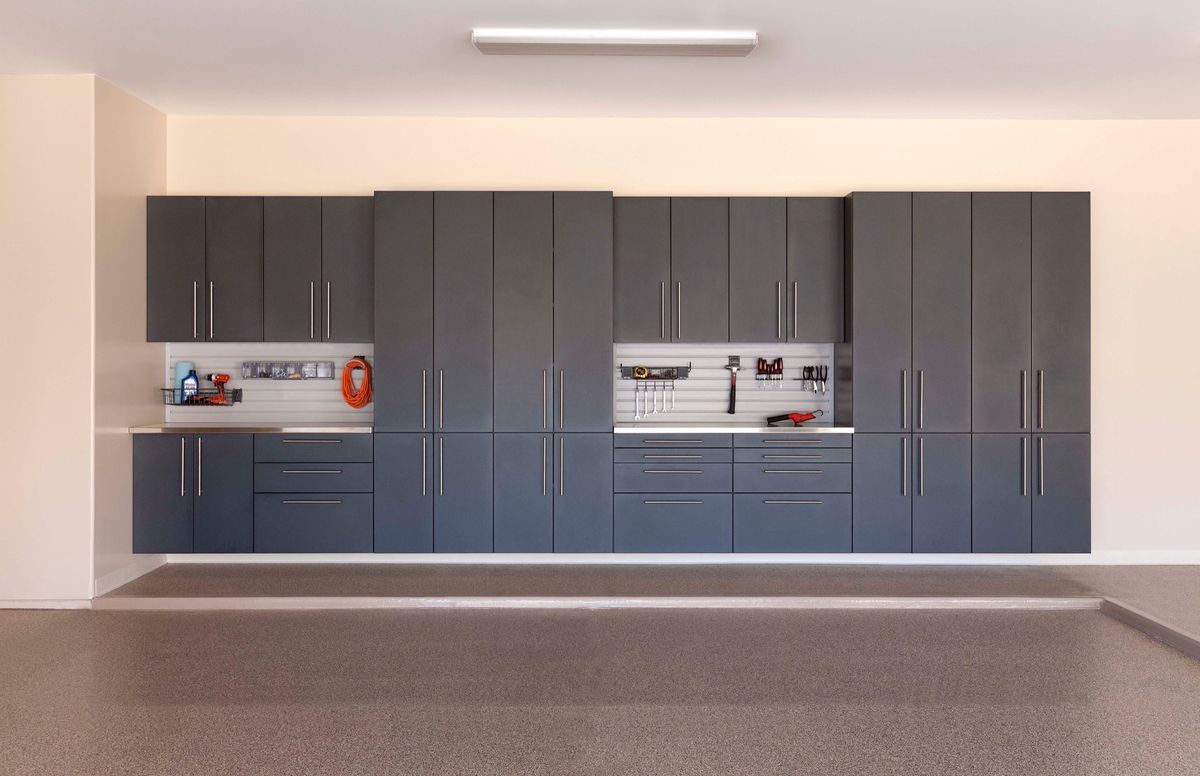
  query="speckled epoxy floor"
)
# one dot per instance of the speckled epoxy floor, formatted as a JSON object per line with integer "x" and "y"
{"x": 616, "y": 692}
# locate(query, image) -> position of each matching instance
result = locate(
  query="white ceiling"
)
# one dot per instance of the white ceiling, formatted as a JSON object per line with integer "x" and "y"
{"x": 836, "y": 58}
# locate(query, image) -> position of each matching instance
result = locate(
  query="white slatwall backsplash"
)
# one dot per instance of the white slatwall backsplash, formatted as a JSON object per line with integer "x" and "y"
{"x": 703, "y": 398}
{"x": 269, "y": 401}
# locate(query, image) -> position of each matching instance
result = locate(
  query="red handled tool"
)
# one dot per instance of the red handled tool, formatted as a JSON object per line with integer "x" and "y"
{"x": 796, "y": 417}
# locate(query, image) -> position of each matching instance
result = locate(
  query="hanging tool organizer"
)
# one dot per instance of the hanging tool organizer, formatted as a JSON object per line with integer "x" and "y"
{"x": 654, "y": 387}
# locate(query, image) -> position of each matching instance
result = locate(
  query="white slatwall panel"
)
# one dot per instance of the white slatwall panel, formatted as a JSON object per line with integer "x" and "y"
{"x": 269, "y": 401}
{"x": 703, "y": 398}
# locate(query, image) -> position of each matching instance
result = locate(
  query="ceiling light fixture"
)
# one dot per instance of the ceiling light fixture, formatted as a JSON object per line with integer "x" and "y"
{"x": 678, "y": 43}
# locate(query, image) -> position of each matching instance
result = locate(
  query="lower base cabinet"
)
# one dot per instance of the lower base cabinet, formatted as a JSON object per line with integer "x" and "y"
{"x": 462, "y": 488}
{"x": 403, "y": 492}
{"x": 941, "y": 487}
{"x": 312, "y": 522}
{"x": 524, "y": 501}
{"x": 1001, "y": 498}
{"x": 661, "y": 522}
{"x": 1062, "y": 500}
{"x": 791, "y": 522}
{"x": 224, "y": 493}
{"x": 882, "y": 493}
{"x": 583, "y": 493}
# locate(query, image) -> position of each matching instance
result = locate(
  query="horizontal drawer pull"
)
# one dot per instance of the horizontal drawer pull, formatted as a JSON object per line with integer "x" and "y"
{"x": 672, "y": 471}
{"x": 792, "y": 471}
{"x": 784, "y": 501}
{"x": 310, "y": 471}
{"x": 672, "y": 441}
{"x": 808, "y": 457}
{"x": 311, "y": 501}
{"x": 673, "y": 457}
{"x": 662, "y": 501}
{"x": 312, "y": 441}
{"x": 791, "y": 441}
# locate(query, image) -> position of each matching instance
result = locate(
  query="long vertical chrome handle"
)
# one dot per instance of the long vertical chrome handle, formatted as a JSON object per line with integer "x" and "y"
{"x": 1041, "y": 466}
{"x": 424, "y": 464}
{"x": 545, "y": 456}
{"x": 795, "y": 309}
{"x": 904, "y": 466}
{"x": 441, "y": 466}
{"x": 195, "y": 305}
{"x": 212, "y": 314}
{"x": 921, "y": 466}
{"x": 544, "y": 393}
{"x": 182, "y": 466}
{"x": 328, "y": 309}
{"x": 662, "y": 310}
{"x": 424, "y": 401}
{"x": 562, "y": 466}
{"x": 1024, "y": 398}
{"x": 1041, "y": 397}
{"x": 199, "y": 466}
{"x": 920, "y": 398}
{"x": 1024, "y": 466}
{"x": 904, "y": 399}
{"x": 778, "y": 310}
{"x": 312, "y": 309}
{"x": 441, "y": 400}
{"x": 679, "y": 309}
{"x": 562, "y": 399}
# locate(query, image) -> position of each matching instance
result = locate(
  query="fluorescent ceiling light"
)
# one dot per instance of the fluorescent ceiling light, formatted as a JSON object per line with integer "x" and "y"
{"x": 679, "y": 43}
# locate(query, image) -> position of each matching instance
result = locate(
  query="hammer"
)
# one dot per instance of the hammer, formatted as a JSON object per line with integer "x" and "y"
{"x": 735, "y": 363}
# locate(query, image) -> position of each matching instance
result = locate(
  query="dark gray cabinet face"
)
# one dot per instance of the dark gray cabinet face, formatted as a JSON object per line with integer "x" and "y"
{"x": 881, "y": 309}
{"x": 882, "y": 493}
{"x": 462, "y": 504}
{"x": 234, "y": 268}
{"x": 224, "y": 500}
{"x": 176, "y": 299}
{"x": 523, "y": 235}
{"x": 292, "y": 269}
{"x": 941, "y": 314}
{"x": 642, "y": 269}
{"x": 163, "y": 486}
{"x": 583, "y": 493}
{"x": 697, "y": 522}
{"x": 347, "y": 261}
{"x": 1000, "y": 311}
{"x": 789, "y": 522}
{"x": 700, "y": 269}
{"x": 403, "y": 369}
{"x": 583, "y": 311}
{"x": 404, "y": 482}
{"x": 941, "y": 487}
{"x": 462, "y": 311}
{"x": 816, "y": 269}
{"x": 758, "y": 254}
{"x": 1001, "y": 465}
{"x": 312, "y": 522}
{"x": 524, "y": 499}
{"x": 1062, "y": 311}
{"x": 1062, "y": 495}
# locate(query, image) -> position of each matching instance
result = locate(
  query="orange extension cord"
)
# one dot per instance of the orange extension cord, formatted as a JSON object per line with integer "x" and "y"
{"x": 361, "y": 396}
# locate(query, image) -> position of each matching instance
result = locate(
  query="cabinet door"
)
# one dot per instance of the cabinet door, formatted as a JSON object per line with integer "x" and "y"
{"x": 234, "y": 268}
{"x": 1062, "y": 501}
{"x": 404, "y": 493}
{"x": 347, "y": 268}
{"x": 758, "y": 253}
{"x": 524, "y": 481}
{"x": 941, "y": 315}
{"x": 882, "y": 493}
{"x": 403, "y": 369}
{"x": 816, "y": 269}
{"x": 583, "y": 493}
{"x": 881, "y": 309}
{"x": 700, "y": 269}
{"x": 462, "y": 507}
{"x": 941, "y": 511}
{"x": 175, "y": 294}
{"x": 583, "y": 311}
{"x": 1000, "y": 492}
{"x": 462, "y": 310}
{"x": 224, "y": 503}
{"x": 163, "y": 480}
{"x": 1062, "y": 311}
{"x": 1000, "y": 311}
{"x": 524, "y": 270}
{"x": 641, "y": 269}
{"x": 292, "y": 269}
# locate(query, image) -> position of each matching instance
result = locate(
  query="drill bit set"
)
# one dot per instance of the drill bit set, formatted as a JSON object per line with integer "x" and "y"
{"x": 653, "y": 387}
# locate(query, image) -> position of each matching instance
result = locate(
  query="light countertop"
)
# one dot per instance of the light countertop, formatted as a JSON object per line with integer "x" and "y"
{"x": 731, "y": 428}
{"x": 253, "y": 428}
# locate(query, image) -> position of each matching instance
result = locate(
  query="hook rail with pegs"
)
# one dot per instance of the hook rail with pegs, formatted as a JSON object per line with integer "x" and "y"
{"x": 654, "y": 387}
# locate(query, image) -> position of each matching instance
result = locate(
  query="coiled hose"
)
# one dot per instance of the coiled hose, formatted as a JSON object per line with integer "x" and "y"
{"x": 356, "y": 397}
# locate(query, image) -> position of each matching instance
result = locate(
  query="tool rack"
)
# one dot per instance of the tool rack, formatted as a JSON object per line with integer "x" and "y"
{"x": 654, "y": 387}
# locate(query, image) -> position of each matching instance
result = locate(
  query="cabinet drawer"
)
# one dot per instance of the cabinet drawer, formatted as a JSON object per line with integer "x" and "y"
{"x": 313, "y": 522}
{"x": 691, "y": 522}
{"x": 656, "y": 455}
{"x": 786, "y": 440}
{"x": 651, "y": 477}
{"x": 313, "y": 478}
{"x": 661, "y": 439}
{"x": 793, "y": 455}
{"x": 782, "y": 522}
{"x": 312, "y": 448}
{"x": 791, "y": 478}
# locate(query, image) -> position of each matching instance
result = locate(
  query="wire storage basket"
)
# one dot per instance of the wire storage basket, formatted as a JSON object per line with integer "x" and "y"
{"x": 203, "y": 397}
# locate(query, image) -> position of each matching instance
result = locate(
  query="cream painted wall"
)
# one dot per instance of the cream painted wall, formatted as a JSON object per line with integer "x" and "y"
{"x": 1145, "y": 179}
{"x": 46, "y": 209}
{"x": 130, "y": 159}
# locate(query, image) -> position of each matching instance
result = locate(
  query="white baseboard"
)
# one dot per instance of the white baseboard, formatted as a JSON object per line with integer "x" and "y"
{"x": 142, "y": 564}
{"x": 48, "y": 603}
{"x": 1102, "y": 558}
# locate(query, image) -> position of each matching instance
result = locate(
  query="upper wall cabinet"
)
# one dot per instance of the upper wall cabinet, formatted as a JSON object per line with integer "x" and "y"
{"x": 233, "y": 258}
{"x": 347, "y": 269}
{"x": 700, "y": 269}
{"x": 758, "y": 259}
{"x": 642, "y": 269}
{"x": 292, "y": 269}
{"x": 176, "y": 294}
{"x": 816, "y": 269}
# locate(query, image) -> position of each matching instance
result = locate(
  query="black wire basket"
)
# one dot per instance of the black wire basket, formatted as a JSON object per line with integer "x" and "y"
{"x": 203, "y": 397}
